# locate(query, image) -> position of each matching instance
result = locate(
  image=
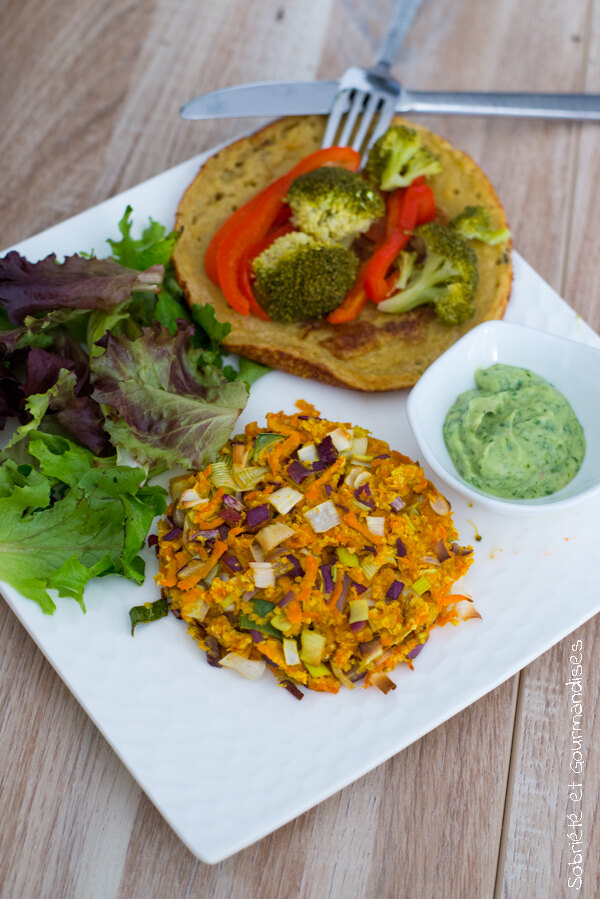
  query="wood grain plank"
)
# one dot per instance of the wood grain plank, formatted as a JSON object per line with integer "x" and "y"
{"x": 538, "y": 847}
{"x": 67, "y": 804}
{"x": 538, "y": 850}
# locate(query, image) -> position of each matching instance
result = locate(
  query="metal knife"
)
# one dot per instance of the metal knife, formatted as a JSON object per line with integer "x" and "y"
{"x": 276, "y": 98}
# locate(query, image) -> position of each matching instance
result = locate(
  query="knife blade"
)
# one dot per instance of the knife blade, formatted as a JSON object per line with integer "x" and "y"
{"x": 276, "y": 98}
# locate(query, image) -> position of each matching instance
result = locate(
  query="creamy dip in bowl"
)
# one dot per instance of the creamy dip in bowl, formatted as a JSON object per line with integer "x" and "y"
{"x": 571, "y": 367}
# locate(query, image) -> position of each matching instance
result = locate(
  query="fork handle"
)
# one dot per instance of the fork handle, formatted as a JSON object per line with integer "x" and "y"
{"x": 583, "y": 107}
{"x": 401, "y": 20}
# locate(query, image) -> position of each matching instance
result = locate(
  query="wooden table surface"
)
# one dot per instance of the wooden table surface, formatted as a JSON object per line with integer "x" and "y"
{"x": 90, "y": 95}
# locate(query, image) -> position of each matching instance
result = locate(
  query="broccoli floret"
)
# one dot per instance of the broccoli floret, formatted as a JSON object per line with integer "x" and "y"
{"x": 331, "y": 203}
{"x": 397, "y": 158}
{"x": 474, "y": 224}
{"x": 447, "y": 276}
{"x": 298, "y": 277}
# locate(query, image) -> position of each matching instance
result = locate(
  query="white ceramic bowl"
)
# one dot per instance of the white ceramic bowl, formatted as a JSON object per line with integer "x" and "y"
{"x": 572, "y": 367}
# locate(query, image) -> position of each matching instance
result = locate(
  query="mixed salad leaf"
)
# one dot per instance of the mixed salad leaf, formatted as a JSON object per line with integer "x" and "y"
{"x": 102, "y": 361}
{"x": 166, "y": 410}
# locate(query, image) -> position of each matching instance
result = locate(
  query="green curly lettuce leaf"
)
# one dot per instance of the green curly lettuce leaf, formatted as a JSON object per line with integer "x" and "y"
{"x": 67, "y": 516}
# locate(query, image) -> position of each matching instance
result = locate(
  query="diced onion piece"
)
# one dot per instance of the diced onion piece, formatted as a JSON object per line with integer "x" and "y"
{"x": 345, "y": 681}
{"x": 263, "y": 574}
{"x": 190, "y": 498}
{"x": 290, "y": 651}
{"x": 432, "y": 560}
{"x": 382, "y": 682}
{"x": 178, "y": 485}
{"x": 371, "y": 650}
{"x": 273, "y": 535}
{"x": 359, "y": 610}
{"x": 252, "y": 669}
{"x": 352, "y": 475}
{"x": 376, "y": 524}
{"x": 191, "y": 567}
{"x": 341, "y": 439}
{"x": 198, "y": 611}
{"x": 369, "y": 568}
{"x": 247, "y": 478}
{"x": 257, "y": 552}
{"x": 221, "y": 476}
{"x": 466, "y": 610}
{"x": 440, "y": 505}
{"x": 360, "y": 446}
{"x": 308, "y": 453}
{"x": 441, "y": 551}
{"x": 361, "y": 478}
{"x": 323, "y": 517}
{"x": 313, "y": 647}
{"x": 285, "y": 499}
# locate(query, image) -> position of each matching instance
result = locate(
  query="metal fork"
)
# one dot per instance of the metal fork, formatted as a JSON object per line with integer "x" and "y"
{"x": 367, "y": 97}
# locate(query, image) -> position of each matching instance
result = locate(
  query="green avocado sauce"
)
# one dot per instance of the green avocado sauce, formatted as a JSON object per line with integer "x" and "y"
{"x": 515, "y": 436}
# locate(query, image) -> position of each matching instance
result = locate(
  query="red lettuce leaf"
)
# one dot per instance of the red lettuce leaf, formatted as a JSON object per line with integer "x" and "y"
{"x": 11, "y": 396}
{"x": 164, "y": 410}
{"x": 30, "y": 288}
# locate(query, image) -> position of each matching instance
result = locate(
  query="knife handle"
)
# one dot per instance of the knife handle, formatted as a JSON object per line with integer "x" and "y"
{"x": 581, "y": 107}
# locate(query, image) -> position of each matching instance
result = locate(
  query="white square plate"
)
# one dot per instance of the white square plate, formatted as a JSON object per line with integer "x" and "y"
{"x": 226, "y": 760}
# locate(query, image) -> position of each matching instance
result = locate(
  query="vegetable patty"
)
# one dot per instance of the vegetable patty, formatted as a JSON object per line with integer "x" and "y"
{"x": 313, "y": 548}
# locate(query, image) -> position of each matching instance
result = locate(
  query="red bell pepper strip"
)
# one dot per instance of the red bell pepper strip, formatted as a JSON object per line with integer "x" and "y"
{"x": 355, "y": 300}
{"x": 406, "y": 208}
{"x": 342, "y": 156}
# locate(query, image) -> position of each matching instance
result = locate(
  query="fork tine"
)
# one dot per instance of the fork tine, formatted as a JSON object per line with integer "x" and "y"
{"x": 365, "y": 123}
{"x": 356, "y": 106}
{"x": 383, "y": 122}
{"x": 335, "y": 117}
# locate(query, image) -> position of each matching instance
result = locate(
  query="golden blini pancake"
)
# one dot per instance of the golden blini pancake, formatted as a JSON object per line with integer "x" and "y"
{"x": 376, "y": 351}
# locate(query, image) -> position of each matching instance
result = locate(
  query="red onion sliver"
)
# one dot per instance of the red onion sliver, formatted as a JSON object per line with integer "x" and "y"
{"x": 232, "y": 562}
{"x": 400, "y": 548}
{"x": 256, "y": 636}
{"x": 327, "y": 451}
{"x": 357, "y": 625}
{"x": 232, "y": 503}
{"x": 173, "y": 534}
{"x": 328, "y": 583}
{"x": 396, "y": 588}
{"x": 258, "y": 515}
{"x": 345, "y": 587}
{"x": 286, "y": 599}
{"x": 207, "y": 535}
{"x": 292, "y": 688}
{"x": 397, "y": 504}
{"x": 415, "y": 651}
{"x": 297, "y": 472}
{"x": 296, "y": 569}
{"x": 233, "y": 516}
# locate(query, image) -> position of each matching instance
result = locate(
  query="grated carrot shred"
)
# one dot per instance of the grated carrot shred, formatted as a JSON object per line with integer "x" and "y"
{"x": 351, "y": 520}
{"x": 312, "y": 568}
{"x": 313, "y": 491}
{"x": 187, "y": 582}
